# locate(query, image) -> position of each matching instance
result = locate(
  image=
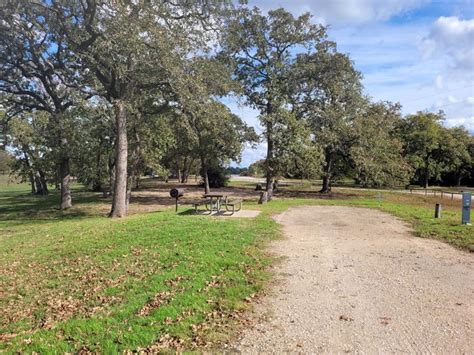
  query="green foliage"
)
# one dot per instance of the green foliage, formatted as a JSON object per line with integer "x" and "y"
{"x": 257, "y": 168}
{"x": 263, "y": 50}
{"x": 377, "y": 151}
{"x": 218, "y": 176}
{"x": 327, "y": 93}
{"x": 432, "y": 149}
{"x": 6, "y": 159}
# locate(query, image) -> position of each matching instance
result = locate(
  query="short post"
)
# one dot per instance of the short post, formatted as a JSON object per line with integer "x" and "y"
{"x": 466, "y": 208}
{"x": 438, "y": 210}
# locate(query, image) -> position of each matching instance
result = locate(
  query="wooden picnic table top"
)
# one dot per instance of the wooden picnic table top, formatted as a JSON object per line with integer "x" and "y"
{"x": 215, "y": 194}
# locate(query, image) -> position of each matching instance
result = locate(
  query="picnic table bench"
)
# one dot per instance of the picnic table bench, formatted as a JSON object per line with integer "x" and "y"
{"x": 201, "y": 202}
{"x": 233, "y": 203}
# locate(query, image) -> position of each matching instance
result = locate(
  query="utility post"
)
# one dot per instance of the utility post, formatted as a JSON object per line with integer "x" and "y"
{"x": 466, "y": 208}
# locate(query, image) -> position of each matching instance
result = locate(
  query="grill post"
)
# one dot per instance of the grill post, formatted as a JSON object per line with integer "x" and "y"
{"x": 176, "y": 193}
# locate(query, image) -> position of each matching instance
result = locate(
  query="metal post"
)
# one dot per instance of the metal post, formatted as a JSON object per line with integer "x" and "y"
{"x": 466, "y": 208}
{"x": 176, "y": 207}
{"x": 438, "y": 210}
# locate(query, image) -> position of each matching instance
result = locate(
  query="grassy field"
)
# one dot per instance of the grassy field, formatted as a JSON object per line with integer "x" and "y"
{"x": 78, "y": 280}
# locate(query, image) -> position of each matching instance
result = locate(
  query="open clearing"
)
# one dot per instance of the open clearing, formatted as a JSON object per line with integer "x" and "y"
{"x": 74, "y": 280}
{"x": 355, "y": 279}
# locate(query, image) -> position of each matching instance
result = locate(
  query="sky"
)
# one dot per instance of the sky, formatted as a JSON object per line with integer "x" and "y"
{"x": 419, "y": 53}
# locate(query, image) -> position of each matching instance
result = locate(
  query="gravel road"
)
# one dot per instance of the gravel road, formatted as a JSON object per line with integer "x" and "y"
{"x": 356, "y": 280}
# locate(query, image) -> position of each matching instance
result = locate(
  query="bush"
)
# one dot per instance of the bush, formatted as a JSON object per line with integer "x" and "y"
{"x": 217, "y": 177}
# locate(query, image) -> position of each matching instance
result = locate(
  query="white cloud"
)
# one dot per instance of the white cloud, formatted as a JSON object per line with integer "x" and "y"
{"x": 338, "y": 12}
{"x": 452, "y": 39}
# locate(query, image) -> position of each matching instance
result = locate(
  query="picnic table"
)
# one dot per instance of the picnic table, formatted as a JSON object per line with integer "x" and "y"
{"x": 215, "y": 201}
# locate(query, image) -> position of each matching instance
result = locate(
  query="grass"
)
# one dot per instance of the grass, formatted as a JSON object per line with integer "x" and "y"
{"x": 76, "y": 280}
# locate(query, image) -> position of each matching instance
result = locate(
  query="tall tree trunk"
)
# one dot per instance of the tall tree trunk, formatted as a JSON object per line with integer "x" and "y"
{"x": 66, "y": 201}
{"x": 327, "y": 174}
{"x": 44, "y": 183}
{"x": 32, "y": 182}
{"x": 326, "y": 184}
{"x": 426, "y": 179}
{"x": 41, "y": 184}
{"x": 111, "y": 175}
{"x": 184, "y": 172}
{"x": 270, "y": 178}
{"x": 458, "y": 179}
{"x": 119, "y": 202}
{"x": 205, "y": 175}
{"x": 129, "y": 189}
{"x": 31, "y": 174}
{"x": 97, "y": 183}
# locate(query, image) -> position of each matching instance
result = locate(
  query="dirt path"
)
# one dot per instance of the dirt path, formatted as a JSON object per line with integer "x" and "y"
{"x": 356, "y": 280}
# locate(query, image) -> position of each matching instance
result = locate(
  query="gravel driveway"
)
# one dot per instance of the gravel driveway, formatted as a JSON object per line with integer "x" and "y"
{"x": 356, "y": 280}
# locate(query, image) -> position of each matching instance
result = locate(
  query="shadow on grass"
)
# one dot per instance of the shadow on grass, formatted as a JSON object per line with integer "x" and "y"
{"x": 24, "y": 208}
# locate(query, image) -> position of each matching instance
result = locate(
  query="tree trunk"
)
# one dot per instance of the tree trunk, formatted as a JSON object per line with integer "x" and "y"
{"x": 426, "y": 179}
{"x": 205, "y": 175}
{"x": 458, "y": 179}
{"x": 326, "y": 184}
{"x": 111, "y": 175}
{"x": 269, "y": 161}
{"x": 327, "y": 174}
{"x": 119, "y": 202}
{"x": 129, "y": 189}
{"x": 97, "y": 183}
{"x": 66, "y": 201}
{"x": 41, "y": 185}
{"x": 44, "y": 183}
{"x": 32, "y": 182}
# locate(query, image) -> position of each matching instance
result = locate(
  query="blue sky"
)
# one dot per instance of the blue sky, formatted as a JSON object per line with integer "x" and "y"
{"x": 416, "y": 52}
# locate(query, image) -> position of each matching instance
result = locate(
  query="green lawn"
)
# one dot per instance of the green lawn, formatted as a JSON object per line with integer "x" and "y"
{"x": 78, "y": 280}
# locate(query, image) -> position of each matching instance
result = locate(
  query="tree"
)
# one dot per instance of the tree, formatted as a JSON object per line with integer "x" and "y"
{"x": 423, "y": 136}
{"x": 327, "y": 93}
{"x": 377, "y": 151}
{"x": 131, "y": 47}
{"x": 257, "y": 168}
{"x": 263, "y": 50}
{"x": 38, "y": 73}
{"x": 29, "y": 145}
{"x": 457, "y": 148}
{"x": 6, "y": 160}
